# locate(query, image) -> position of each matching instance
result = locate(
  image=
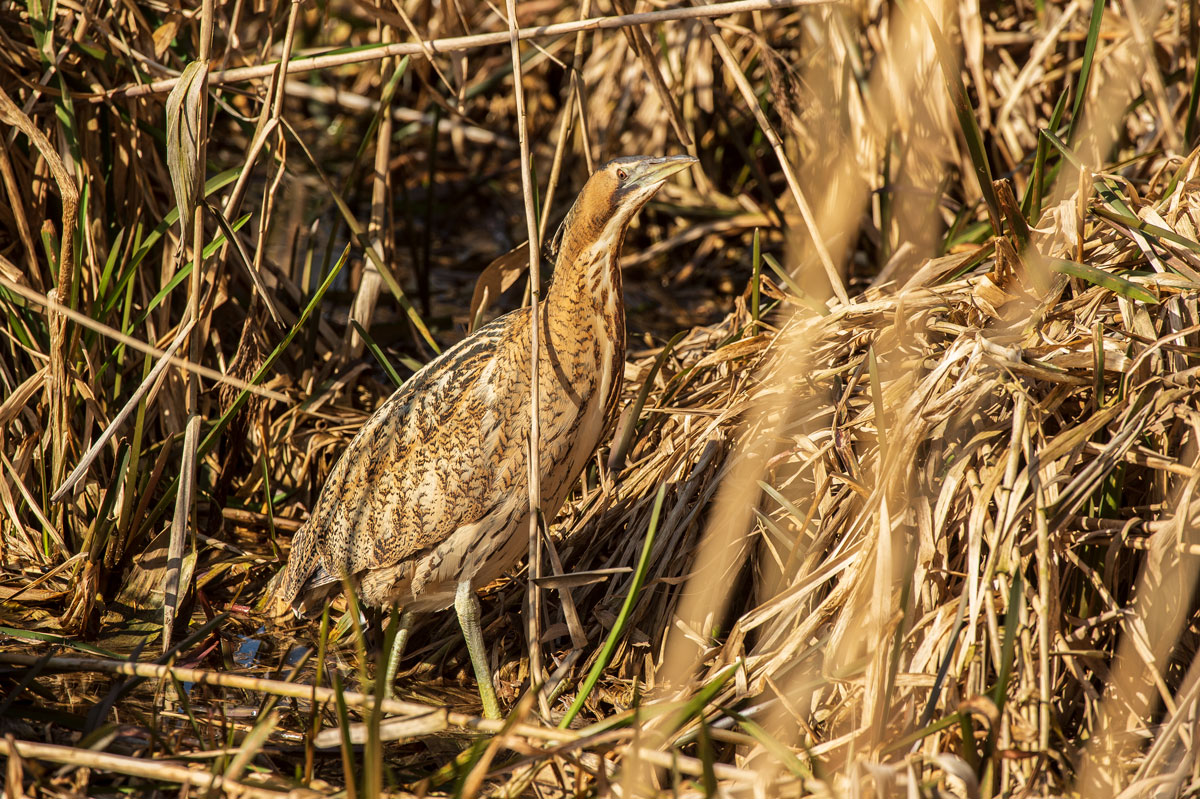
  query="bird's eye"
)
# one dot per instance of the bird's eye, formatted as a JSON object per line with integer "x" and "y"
{"x": 622, "y": 174}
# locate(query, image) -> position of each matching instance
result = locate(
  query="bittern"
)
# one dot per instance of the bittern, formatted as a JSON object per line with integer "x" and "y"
{"x": 430, "y": 501}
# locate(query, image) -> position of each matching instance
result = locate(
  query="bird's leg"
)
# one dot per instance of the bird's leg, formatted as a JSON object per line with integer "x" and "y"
{"x": 398, "y": 645}
{"x": 466, "y": 604}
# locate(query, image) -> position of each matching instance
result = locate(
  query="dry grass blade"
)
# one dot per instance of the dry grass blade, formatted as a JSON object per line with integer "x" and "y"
{"x": 150, "y": 380}
{"x": 177, "y": 581}
{"x": 836, "y": 284}
{"x": 533, "y": 602}
{"x": 280, "y": 688}
{"x": 204, "y": 371}
{"x": 637, "y": 38}
{"x": 57, "y": 398}
{"x": 923, "y": 508}
{"x": 184, "y": 120}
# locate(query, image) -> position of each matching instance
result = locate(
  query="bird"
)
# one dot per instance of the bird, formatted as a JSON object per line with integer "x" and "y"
{"x": 429, "y": 501}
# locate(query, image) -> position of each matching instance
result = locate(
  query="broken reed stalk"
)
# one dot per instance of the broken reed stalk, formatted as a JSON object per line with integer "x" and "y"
{"x": 58, "y": 396}
{"x": 192, "y": 122}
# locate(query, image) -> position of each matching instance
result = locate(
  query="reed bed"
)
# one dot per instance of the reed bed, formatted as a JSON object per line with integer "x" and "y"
{"x": 903, "y": 495}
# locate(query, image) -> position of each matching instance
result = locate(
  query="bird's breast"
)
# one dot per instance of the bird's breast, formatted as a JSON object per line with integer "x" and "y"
{"x": 579, "y": 378}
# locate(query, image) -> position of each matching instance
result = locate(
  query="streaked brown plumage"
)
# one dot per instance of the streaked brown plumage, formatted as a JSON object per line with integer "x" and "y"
{"x": 433, "y": 490}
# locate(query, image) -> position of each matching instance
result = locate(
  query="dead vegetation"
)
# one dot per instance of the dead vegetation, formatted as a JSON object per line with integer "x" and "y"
{"x": 938, "y": 537}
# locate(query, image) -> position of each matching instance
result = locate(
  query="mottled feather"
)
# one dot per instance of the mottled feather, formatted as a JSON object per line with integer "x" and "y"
{"x": 433, "y": 489}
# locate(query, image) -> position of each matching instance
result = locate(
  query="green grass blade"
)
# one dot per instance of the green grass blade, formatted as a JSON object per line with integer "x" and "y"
{"x": 114, "y": 251}
{"x": 269, "y": 363}
{"x": 1031, "y": 203}
{"x": 755, "y": 278}
{"x": 804, "y": 299}
{"x": 964, "y": 111}
{"x": 1085, "y": 69}
{"x": 616, "y": 459}
{"x": 180, "y": 275}
{"x": 210, "y": 440}
{"x": 1106, "y": 190}
{"x": 58, "y": 640}
{"x": 618, "y": 628}
{"x": 385, "y": 270}
{"x": 378, "y": 353}
{"x": 944, "y": 666}
{"x": 708, "y": 756}
{"x": 784, "y": 503}
{"x": 1189, "y": 125}
{"x": 1011, "y": 619}
{"x": 924, "y": 732}
{"x": 347, "y": 748}
{"x": 769, "y": 742}
{"x": 701, "y": 699}
{"x": 1099, "y": 277}
{"x": 1134, "y": 223}
{"x": 214, "y": 184}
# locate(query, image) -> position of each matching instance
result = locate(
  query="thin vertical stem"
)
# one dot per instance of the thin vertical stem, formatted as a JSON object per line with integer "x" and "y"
{"x": 564, "y": 126}
{"x": 185, "y": 499}
{"x": 810, "y": 220}
{"x": 1043, "y": 593}
{"x": 533, "y": 595}
{"x": 57, "y": 385}
{"x": 378, "y": 234}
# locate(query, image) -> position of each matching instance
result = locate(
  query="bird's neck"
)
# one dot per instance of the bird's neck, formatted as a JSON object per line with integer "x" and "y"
{"x": 587, "y": 276}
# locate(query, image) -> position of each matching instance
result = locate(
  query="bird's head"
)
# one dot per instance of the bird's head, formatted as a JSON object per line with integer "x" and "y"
{"x": 615, "y": 192}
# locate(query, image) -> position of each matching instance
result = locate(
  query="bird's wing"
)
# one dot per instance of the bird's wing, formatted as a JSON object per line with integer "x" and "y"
{"x": 436, "y": 456}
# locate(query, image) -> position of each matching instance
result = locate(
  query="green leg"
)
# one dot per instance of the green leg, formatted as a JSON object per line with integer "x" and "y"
{"x": 398, "y": 645}
{"x": 466, "y": 604}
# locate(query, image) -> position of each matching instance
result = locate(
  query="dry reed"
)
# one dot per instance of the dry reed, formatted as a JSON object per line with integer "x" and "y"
{"x": 928, "y": 483}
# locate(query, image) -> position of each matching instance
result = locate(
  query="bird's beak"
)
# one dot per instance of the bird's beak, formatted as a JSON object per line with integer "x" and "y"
{"x": 654, "y": 171}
